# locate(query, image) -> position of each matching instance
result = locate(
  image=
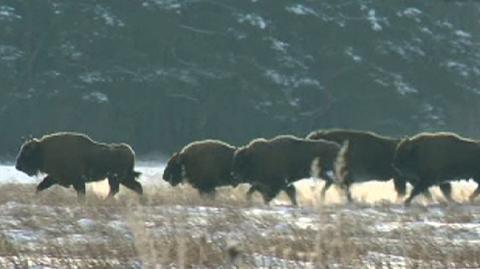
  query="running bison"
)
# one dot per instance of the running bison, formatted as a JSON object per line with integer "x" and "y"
{"x": 271, "y": 166}
{"x": 436, "y": 158}
{"x": 203, "y": 164}
{"x": 369, "y": 156}
{"x": 73, "y": 159}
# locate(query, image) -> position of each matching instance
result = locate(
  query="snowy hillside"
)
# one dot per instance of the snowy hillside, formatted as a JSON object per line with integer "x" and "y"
{"x": 161, "y": 73}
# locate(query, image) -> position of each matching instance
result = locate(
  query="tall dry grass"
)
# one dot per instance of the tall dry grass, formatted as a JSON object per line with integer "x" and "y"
{"x": 177, "y": 228}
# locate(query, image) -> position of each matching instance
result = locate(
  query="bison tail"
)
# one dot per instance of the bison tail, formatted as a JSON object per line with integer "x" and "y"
{"x": 340, "y": 166}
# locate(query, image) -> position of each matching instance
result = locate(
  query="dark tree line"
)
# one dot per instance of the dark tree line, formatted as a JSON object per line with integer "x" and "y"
{"x": 161, "y": 73}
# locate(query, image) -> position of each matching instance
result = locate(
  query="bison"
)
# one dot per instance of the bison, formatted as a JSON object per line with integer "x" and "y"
{"x": 368, "y": 156}
{"x": 436, "y": 158}
{"x": 203, "y": 164}
{"x": 73, "y": 159}
{"x": 271, "y": 166}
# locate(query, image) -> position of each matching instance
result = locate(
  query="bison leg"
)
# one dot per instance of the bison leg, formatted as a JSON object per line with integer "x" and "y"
{"x": 80, "y": 188}
{"x": 345, "y": 184}
{"x": 400, "y": 185}
{"x": 208, "y": 193}
{"x": 292, "y": 194}
{"x": 250, "y": 193}
{"x": 419, "y": 187}
{"x": 46, "y": 183}
{"x": 428, "y": 195}
{"x": 134, "y": 186}
{"x": 114, "y": 186}
{"x": 446, "y": 189}
{"x": 269, "y": 193}
{"x": 267, "y": 197}
{"x": 475, "y": 193}
{"x": 346, "y": 190}
{"x": 328, "y": 184}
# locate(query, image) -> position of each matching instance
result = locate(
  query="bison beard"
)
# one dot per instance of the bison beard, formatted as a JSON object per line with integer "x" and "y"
{"x": 72, "y": 159}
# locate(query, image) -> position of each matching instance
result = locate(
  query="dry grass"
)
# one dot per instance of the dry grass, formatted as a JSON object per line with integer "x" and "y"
{"x": 176, "y": 228}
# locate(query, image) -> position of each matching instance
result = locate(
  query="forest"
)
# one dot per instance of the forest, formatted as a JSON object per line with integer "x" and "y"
{"x": 160, "y": 73}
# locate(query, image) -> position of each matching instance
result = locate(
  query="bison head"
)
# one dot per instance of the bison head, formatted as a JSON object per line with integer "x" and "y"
{"x": 404, "y": 159}
{"x": 29, "y": 159}
{"x": 173, "y": 172}
{"x": 242, "y": 164}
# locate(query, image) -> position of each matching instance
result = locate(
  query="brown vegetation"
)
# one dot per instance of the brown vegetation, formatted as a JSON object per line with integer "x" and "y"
{"x": 176, "y": 228}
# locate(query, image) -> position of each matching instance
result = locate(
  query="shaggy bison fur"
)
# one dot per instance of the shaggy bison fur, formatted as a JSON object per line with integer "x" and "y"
{"x": 435, "y": 158}
{"x": 203, "y": 164}
{"x": 72, "y": 159}
{"x": 271, "y": 166}
{"x": 368, "y": 156}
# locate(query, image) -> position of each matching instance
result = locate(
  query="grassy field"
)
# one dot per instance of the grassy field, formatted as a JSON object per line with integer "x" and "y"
{"x": 176, "y": 228}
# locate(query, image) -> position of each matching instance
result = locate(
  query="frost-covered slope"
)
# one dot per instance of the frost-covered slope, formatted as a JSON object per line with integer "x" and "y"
{"x": 164, "y": 72}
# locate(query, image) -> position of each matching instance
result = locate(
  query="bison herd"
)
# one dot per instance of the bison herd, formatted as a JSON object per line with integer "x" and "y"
{"x": 269, "y": 166}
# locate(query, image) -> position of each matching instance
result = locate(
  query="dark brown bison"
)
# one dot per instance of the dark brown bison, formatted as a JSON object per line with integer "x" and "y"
{"x": 271, "y": 166}
{"x": 72, "y": 159}
{"x": 435, "y": 158}
{"x": 368, "y": 156}
{"x": 203, "y": 164}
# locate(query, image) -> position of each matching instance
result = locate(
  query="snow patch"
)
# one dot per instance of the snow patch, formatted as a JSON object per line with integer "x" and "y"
{"x": 163, "y": 4}
{"x": 23, "y": 236}
{"x": 381, "y": 260}
{"x": 279, "y": 45}
{"x": 356, "y": 58}
{"x": 8, "y": 13}
{"x": 374, "y": 20}
{"x": 11, "y": 175}
{"x": 108, "y": 17}
{"x": 92, "y": 77}
{"x": 411, "y": 12}
{"x": 403, "y": 87}
{"x": 150, "y": 174}
{"x": 254, "y": 20}
{"x": 122, "y": 228}
{"x": 69, "y": 50}
{"x": 460, "y": 68}
{"x": 462, "y": 34}
{"x": 10, "y": 53}
{"x": 290, "y": 81}
{"x": 87, "y": 224}
{"x": 302, "y": 10}
{"x": 96, "y": 97}
{"x": 264, "y": 262}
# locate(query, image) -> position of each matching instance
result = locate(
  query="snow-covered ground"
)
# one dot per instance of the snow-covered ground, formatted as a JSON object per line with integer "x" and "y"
{"x": 8, "y": 173}
{"x": 176, "y": 226}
